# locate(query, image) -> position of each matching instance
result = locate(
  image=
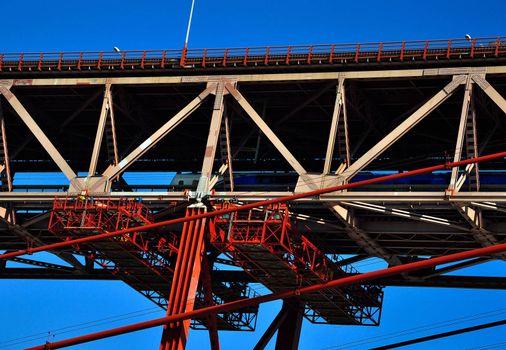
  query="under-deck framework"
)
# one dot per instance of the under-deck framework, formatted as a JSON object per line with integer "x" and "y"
{"x": 228, "y": 127}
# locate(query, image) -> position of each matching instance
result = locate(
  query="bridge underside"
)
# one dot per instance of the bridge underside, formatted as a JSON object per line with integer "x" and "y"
{"x": 237, "y": 135}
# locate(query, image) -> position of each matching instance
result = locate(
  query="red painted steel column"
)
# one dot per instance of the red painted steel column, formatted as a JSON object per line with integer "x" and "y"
{"x": 289, "y": 330}
{"x": 185, "y": 280}
{"x": 207, "y": 283}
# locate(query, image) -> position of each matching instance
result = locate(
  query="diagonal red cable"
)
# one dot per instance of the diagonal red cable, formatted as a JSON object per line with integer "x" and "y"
{"x": 282, "y": 295}
{"x": 445, "y": 166}
{"x": 235, "y": 305}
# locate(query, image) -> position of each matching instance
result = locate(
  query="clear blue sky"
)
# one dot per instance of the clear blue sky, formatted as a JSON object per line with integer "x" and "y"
{"x": 30, "y": 307}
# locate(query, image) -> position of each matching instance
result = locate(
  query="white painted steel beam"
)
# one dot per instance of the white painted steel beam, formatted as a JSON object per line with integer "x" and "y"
{"x": 491, "y": 92}
{"x": 100, "y": 131}
{"x": 214, "y": 180}
{"x": 6, "y": 166}
{"x": 489, "y": 206}
{"x": 473, "y": 216}
{"x": 488, "y": 200}
{"x": 462, "y": 178}
{"x": 226, "y": 122}
{"x": 347, "y": 151}
{"x": 157, "y": 80}
{"x": 212, "y": 140}
{"x": 464, "y": 114}
{"x": 37, "y": 132}
{"x": 266, "y": 130}
{"x": 403, "y": 128}
{"x": 113, "y": 171}
{"x": 113, "y": 126}
{"x": 333, "y": 127}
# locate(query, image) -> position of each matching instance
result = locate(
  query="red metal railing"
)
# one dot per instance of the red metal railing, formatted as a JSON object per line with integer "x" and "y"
{"x": 78, "y": 216}
{"x": 398, "y": 51}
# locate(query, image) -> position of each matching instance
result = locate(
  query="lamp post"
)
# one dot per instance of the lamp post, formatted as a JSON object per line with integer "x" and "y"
{"x": 185, "y": 47}
{"x": 189, "y": 25}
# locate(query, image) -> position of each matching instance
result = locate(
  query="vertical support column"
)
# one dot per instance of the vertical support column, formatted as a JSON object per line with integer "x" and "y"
{"x": 6, "y": 171}
{"x": 207, "y": 283}
{"x": 334, "y": 127}
{"x": 185, "y": 281}
{"x": 100, "y": 132}
{"x": 111, "y": 129}
{"x": 212, "y": 140}
{"x": 289, "y": 330}
{"x": 344, "y": 140}
{"x": 229, "y": 154}
{"x": 226, "y": 154}
{"x": 461, "y": 134}
{"x": 226, "y": 157}
{"x": 272, "y": 329}
{"x": 472, "y": 147}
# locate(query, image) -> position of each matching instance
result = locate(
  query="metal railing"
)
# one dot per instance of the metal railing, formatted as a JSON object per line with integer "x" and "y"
{"x": 399, "y": 51}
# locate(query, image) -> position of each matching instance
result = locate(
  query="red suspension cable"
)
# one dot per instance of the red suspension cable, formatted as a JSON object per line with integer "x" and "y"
{"x": 235, "y": 305}
{"x": 445, "y": 166}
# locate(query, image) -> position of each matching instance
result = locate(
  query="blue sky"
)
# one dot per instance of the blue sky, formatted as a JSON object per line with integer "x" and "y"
{"x": 30, "y": 307}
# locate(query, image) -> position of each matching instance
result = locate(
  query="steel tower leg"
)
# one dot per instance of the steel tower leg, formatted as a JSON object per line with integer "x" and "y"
{"x": 185, "y": 280}
{"x": 212, "y": 324}
{"x": 289, "y": 330}
{"x": 272, "y": 329}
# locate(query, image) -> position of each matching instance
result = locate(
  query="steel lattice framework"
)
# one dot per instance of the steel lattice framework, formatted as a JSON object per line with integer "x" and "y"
{"x": 243, "y": 125}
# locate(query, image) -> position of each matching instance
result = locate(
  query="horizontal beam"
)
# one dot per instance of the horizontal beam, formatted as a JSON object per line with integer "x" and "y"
{"x": 157, "y": 80}
{"x": 21, "y": 273}
{"x": 487, "y": 200}
{"x": 43, "y": 264}
{"x": 464, "y": 282}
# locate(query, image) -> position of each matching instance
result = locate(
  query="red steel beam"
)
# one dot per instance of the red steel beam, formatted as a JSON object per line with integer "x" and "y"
{"x": 445, "y": 166}
{"x": 342, "y": 282}
{"x": 207, "y": 286}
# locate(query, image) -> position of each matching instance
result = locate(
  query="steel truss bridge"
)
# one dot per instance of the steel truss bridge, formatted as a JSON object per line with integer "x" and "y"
{"x": 230, "y": 127}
